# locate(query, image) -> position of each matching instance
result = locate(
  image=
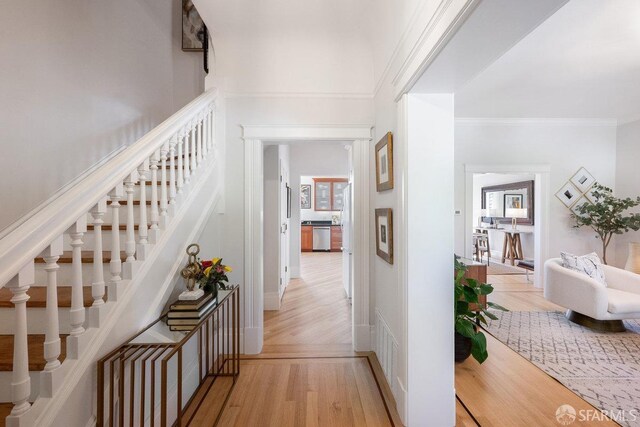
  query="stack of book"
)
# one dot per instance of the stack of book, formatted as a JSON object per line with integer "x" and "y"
{"x": 185, "y": 315}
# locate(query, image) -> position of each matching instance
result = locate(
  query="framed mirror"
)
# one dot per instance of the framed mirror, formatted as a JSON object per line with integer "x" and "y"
{"x": 506, "y": 201}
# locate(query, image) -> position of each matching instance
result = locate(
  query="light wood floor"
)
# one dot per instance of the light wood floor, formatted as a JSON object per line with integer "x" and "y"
{"x": 308, "y": 373}
{"x": 508, "y": 390}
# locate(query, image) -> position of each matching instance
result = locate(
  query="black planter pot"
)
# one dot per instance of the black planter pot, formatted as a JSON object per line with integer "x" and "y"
{"x": 462, "y": 347}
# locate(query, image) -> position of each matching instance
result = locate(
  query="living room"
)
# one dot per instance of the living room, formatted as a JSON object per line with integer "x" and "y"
{"x": 561, "y": 108}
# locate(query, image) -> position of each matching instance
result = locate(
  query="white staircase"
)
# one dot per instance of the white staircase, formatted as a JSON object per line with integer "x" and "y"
{"x": 69, "y": 274}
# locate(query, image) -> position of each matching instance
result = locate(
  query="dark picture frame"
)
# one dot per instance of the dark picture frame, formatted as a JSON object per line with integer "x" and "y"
{"x": 305, "y": 196}
{"x": 384, "y": 234}
{"x": 508, "y": 202}
{"x": 192, "y": 24}
{"x": 530, "y": 187}
{"x": 384, "y": 163}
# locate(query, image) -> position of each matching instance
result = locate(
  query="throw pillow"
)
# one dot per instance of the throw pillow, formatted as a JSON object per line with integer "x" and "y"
{"x": 587, "y": 264}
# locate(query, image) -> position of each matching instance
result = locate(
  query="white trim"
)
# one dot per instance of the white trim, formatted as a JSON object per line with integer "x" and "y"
{"x": 272, "y": 300}
{"x": 254, "y": 136}
{"x": 542, "y": 206}
{"x": 319, "y": 95}
{"x": 496, "y": 121}
{"x": 8, "y": 229}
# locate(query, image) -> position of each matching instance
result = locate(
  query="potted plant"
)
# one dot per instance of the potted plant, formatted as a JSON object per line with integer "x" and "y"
{"x": 606, "y": 215}
{"x": 469, "y": 313}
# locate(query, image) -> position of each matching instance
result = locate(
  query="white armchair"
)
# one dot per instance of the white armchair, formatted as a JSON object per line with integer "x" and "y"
{"x": 589, "y": 302}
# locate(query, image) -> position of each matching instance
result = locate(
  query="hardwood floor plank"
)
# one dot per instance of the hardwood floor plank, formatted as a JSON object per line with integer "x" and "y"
{"x": 463, "y": 417}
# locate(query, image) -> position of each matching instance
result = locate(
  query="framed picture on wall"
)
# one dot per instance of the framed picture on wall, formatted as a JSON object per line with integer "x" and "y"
{"x": 568, "y": 194}
{"x": 513, "y": 201}
{"x": 583, "y": 180}
{"x": 192, "y": 24}
{"x": 384, "y": 163}
{"x": 582, "y": 201}
{"x": 384, "y": 234}
{"x": 305, "y": 196}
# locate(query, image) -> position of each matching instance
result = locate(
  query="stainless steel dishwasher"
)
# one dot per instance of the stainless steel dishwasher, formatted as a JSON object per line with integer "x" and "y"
{"x": 321, "y": 238}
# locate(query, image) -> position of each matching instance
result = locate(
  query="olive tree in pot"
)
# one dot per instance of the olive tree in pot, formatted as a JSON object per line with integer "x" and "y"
{"x": 606, "y": 215}
{"x": 469, "y": 339}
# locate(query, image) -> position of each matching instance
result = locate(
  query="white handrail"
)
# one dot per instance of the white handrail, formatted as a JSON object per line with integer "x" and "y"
{"x": 33, "y": 236}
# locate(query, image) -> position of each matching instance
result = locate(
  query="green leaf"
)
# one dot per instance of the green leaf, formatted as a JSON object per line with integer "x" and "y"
{"x": 490, "y": 315}
{"x": 479, "y": 347}
{"x": 486, "y": 289}
{"x": 496, "y": 306}
{"x": 465, "y": 328}
{"x": 470, "y": 294}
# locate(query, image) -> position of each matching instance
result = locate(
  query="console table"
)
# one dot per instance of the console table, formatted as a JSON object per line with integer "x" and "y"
{"x": 512, "y": 245}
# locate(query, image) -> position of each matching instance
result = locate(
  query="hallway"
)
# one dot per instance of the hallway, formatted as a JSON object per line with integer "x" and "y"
{"x": 308, "y": 373}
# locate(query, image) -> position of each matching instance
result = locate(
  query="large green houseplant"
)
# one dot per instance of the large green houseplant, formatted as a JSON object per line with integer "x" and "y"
{"x": 469, "y": 313}
{"x": 606, "y": 215}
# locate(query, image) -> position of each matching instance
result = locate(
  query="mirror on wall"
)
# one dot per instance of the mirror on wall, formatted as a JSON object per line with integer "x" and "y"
{"x": 506, "y": 201}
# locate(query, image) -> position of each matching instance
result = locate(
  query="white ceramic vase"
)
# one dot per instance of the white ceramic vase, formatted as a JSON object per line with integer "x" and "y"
{"x": 633, "y": 260}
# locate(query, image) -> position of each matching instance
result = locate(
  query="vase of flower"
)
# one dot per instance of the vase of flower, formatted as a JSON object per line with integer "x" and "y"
{"x": 214, "y": 276}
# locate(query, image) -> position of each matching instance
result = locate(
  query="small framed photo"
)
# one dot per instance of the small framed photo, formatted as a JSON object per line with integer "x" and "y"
{"x": 512, "y": 201}
{"x": 384, "y": 234}
{"x": 583, "y": 180}
{"x": 384, "y": 163}
{"x": 568, "y": 194}
{"x": 305, "y": 196}
{"x": 583, "y": 200}
{"x": 590, "y": 196}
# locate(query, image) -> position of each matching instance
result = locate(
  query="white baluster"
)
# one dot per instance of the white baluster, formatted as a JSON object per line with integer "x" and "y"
{"x": 155, "y": 215}
{"x": 130, "y": 243}
{"x": 187, "y": 137}
{"x": 97, "y": 286}
{"x": 172, "y": 170}
{"x": 199, "y": 140}
{"x": 180, "y": 179}
{"x": 212, "y": 123}
{"x": 77, "y": 313}
{"x": 163, "y": 184}
{"x": 205, "y": 133}
{"x": 194, "y": 128}
{"x": 20, "y": 382}
{"x": 143, "y": 225}
{"x": 115, "y": 264}
{"x": 52, "y": 334}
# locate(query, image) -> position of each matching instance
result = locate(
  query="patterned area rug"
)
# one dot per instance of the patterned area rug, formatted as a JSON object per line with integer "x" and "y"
{"x": 602, "y": 368}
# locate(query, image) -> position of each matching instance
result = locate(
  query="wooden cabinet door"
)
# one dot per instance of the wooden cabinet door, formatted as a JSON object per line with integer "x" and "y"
{"x": 336, "y": 238}
{"x": 306, "y": 238}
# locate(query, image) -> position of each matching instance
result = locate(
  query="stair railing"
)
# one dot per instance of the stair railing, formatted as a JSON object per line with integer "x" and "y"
{"x": 190, "y": 131}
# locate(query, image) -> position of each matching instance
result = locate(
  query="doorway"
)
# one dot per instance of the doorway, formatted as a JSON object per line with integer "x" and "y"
{"x": 255, "y": 139}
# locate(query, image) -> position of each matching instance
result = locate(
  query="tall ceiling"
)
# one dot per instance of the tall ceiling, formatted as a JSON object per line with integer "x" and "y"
{"x": 583, "y": 62}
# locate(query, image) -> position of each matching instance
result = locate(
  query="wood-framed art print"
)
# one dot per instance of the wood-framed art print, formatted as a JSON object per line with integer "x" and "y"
{"x": 305, "y": 196}
{"x": 384, "y": 234}
{"x": 192, "y": 24}
{"x": 568, "y": 194}
{"x": 583, "y": 180}
{"x": 384, "y": 163}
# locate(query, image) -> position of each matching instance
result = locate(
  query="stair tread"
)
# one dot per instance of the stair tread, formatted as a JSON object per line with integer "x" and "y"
{"x": 38, "y": 297}
{"x": 87, "y": 257}
{"x": 5, "y": 410}
{"x": 36, "y": 352}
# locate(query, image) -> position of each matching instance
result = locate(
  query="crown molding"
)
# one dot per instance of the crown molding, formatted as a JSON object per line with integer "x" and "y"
{"x": 492, "y": 121}
{"x": 319, "y": 95}
{"x": 307, "y": 132}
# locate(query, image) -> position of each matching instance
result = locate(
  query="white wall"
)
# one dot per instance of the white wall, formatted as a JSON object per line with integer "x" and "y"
{"x": 627, "y": 182}
{"x": 77, "y": 81}
{"x": 317, "y": 159}
{"x": 496, "y": 237}
{"x": 564, "y": 146}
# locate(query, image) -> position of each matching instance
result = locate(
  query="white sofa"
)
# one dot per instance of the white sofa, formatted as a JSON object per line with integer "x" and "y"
{"x": 590, "y": 303}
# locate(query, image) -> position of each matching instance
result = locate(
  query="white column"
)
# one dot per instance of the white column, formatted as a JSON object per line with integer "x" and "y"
{"x": 130, "y": 243}
{"x": 115, "y": 264}
{"x": 172, "y": 170}
{"x": 199, "y": 139}
{"x": 194, "y": 129}
{"x": 205, "y": 132}
{"x": 52, "y": 334}
{"x": 212, "y": 127}
{"x": 97, "y": 286}
{"x": 20, "y": 382}
{"x": 155, "y": 215}
{"x": 142, "y": 225}
{"x": 180, "y": 178}
{"x": 77, "y": 313}
{"x": 164, "y": 203}
{"x": 187, "y": 138}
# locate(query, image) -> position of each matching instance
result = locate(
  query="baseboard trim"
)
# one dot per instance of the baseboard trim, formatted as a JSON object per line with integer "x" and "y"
{"x": 362, "y": 337}
{"x": 401, "y": 400}
{"x": 253, "y": 340}
{"x": 295, "y": 273}
{"x": 272, "y": 301}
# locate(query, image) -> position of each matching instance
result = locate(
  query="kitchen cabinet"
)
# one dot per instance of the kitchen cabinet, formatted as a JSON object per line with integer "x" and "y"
{"x": 336, "y": 238}
{"x": 329, "y": 193}
{"x": 306, "y": 238}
